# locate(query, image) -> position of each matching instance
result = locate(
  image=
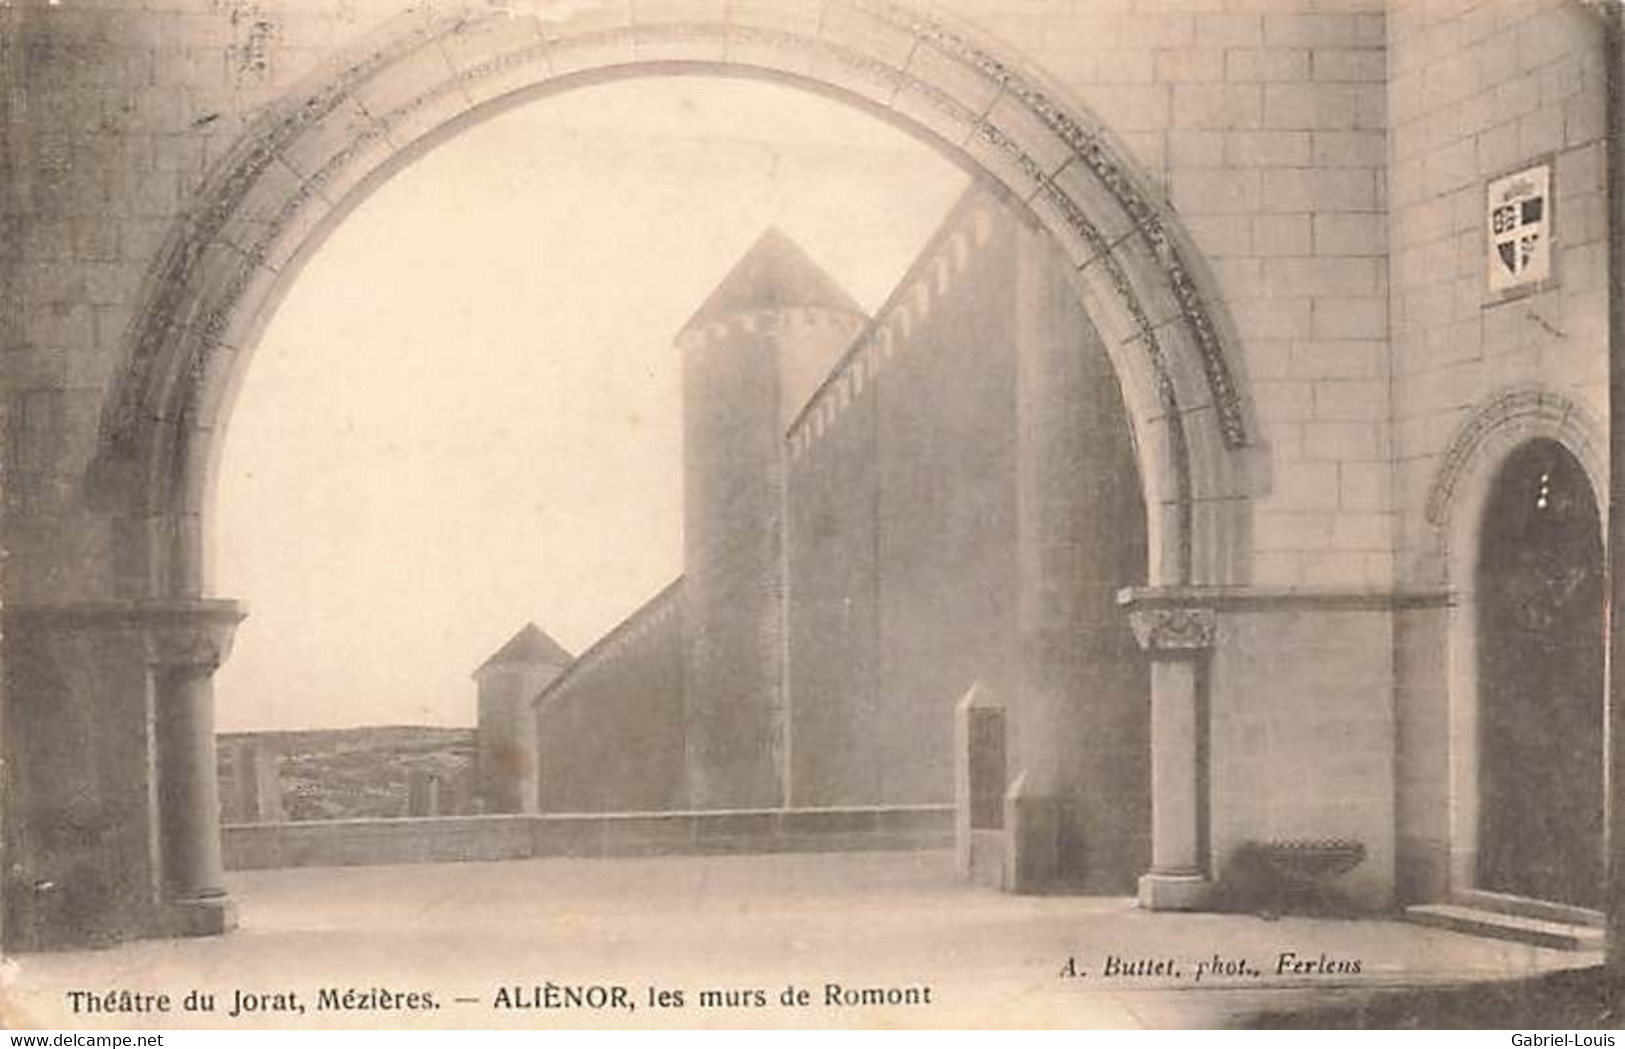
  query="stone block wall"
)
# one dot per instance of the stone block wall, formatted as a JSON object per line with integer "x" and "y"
{"x": 1477, "y": 91}
{"x": 68, "y": 806}
{"x": 610, "y": 730}
{"x": 114, "y": 114}
{"x": 1424, "y": 812}
{"x": 1264, "y": 127}
{"x": 1301, "y": 731}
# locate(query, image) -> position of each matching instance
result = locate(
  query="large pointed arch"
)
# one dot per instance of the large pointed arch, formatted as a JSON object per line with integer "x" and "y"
{"x": 422, "y": 76}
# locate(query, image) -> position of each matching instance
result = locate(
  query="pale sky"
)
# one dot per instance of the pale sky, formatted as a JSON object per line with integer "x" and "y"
{"x": 464, "y": 415}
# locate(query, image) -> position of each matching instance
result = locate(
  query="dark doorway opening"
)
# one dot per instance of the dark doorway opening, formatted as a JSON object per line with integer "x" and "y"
{"x": 1540, "y": 673}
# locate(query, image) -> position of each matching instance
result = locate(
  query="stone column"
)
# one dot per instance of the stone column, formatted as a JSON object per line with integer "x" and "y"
{"x": 1177, "y": 639}
{"x": 113, "y": 796}
{"x": 187, "y": 642}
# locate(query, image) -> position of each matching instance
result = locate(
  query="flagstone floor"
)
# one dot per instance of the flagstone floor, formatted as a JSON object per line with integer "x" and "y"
{"x": 484, "y": 940}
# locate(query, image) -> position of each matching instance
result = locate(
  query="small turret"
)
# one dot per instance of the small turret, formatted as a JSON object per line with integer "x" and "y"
{"x": 505, "y": 752}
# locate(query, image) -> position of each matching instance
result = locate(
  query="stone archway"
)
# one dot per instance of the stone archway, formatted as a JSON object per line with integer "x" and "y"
{"x": 297, "y": 171}
{"x": 1467, "y": 554}
{"x": 309, "y": 158}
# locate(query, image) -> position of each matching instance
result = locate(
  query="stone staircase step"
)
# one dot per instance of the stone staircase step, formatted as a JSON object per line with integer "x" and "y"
{"x": 1474, "y": 921}
{"x": 1524, "y": 907}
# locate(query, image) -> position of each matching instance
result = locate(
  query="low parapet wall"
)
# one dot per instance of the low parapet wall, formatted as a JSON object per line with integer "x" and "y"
{"x": 341, "y": 843}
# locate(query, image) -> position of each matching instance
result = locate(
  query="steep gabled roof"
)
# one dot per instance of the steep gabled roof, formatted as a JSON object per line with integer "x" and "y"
{"x": 774, "y": 274}
{"x": 531, "y": 646}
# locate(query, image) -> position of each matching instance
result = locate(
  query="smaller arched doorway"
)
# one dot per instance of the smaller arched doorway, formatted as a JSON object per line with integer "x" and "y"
{"x": 1539, "y": 611}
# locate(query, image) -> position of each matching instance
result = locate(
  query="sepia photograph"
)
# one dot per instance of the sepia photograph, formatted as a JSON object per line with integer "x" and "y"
{"x": 675, "y": 514}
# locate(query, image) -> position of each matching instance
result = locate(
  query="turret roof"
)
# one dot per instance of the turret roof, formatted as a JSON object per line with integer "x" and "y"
{"x": 774, "y": 274}
{"x": 531, "y": 646}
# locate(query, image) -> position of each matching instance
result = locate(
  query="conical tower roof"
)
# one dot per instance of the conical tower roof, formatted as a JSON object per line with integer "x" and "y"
{"x": 774, "y": 274}
{"x": 531, "y": 646}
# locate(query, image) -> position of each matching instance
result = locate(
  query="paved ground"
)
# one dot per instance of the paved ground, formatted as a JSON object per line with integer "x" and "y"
{"x": 899, "y": 921}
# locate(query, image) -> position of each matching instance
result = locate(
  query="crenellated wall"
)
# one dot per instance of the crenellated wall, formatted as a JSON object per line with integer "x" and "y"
{"x": 901, "y": 525}
{"x": 963, "y": 507}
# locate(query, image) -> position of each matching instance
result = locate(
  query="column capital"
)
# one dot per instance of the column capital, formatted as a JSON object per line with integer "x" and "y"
{"x": 176, "y": 631}
{"x": 1172, "y": 621}
{"x": 190, "y": 633}
{"x": 1174, "y": 629}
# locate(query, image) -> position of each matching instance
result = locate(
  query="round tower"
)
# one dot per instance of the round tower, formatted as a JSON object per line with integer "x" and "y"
{"x": 752, "y": 354}
{"x": 505, "y": 771}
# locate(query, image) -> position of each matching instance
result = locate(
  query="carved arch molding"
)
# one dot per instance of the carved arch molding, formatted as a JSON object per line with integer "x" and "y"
{"x": 294, "y": 168}
{"x": 1481, "y": 446}
{"x": 1511, "y": 417}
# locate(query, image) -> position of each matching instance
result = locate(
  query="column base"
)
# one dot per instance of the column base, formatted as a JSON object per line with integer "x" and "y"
{"x": 1174, "y": 892}
{"x": 208, "y": 916}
